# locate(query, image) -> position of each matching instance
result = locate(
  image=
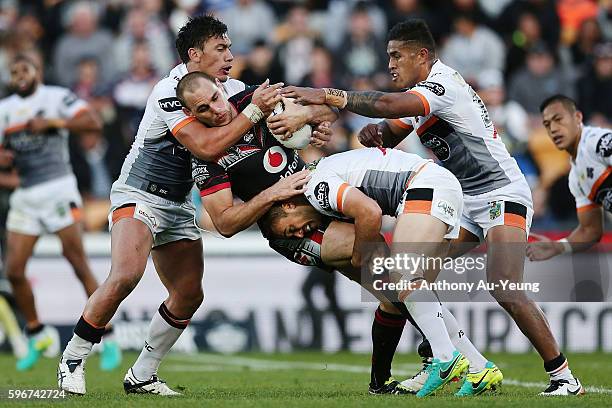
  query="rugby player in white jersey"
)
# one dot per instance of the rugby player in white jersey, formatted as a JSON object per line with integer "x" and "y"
{"x": 590, "y": 181}
{"x": 365, "y": 184}
{"x": 151, "y": 209}
{"x": 451, "y": 120}
{"x": 34, "y": 126}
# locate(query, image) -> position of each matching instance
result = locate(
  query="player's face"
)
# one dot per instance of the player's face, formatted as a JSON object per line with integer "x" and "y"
{"x": 299, "y": 221}
{"x": 562, "y": 125}
{"x": 216, "y": 58}
{"x": 208, "y": 104}
{"x": 404, "y": 63}
{"x": 24, "y": 78}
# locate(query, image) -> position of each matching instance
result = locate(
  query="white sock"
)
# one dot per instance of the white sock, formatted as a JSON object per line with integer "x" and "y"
{"x": 160, "y": 339}
{"x": 77, "y": 348}
{"x": 562, "y": 373}
{"x": 462, "y": 342}
{"x": 428, "y": 315}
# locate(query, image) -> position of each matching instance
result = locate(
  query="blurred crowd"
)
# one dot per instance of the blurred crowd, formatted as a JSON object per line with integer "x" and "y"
{"x": 513, "y": 52}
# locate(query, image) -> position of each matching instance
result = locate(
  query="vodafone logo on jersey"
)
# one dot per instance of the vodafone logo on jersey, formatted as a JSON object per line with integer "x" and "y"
{"x": 275, "y": 159}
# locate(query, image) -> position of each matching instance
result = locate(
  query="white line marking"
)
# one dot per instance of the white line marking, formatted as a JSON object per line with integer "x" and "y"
{"x": 216, "y": 362}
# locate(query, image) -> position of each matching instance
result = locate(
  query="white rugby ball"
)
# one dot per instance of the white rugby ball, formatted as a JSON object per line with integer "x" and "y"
{"x": 300, "y": 138}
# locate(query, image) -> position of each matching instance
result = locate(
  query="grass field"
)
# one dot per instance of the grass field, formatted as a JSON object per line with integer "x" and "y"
{"x": 306, "y": 380}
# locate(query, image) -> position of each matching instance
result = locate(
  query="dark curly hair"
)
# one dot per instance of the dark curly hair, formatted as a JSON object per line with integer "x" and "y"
{"x": 413, "y": 30}
{"x": 196, "y": 32}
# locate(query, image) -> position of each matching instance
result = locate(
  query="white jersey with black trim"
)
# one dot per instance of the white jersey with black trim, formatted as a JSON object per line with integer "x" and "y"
{"x": 458, "y": 130}
{"x": 38, "y": 157}
{"x": 157, "y": 162}
{"x": 590, "y": 178}
{"x": 381, "y": 174}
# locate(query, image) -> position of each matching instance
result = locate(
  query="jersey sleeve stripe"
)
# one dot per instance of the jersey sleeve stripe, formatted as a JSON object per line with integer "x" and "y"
{"x": 182, "y": 124}
{"x": 423, "y": 101}
{"x": 587, "y": 207}
{"x": 214, "y": 189}
{"x": 15, "y": 128}
{"x": 429, "y": 123}
{"x": 598, "y": 183}
{"x": 399, "y": 123}
{"x": 341, "y": 194}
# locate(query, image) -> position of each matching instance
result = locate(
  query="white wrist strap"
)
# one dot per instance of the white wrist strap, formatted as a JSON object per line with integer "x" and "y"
{"x": 253, "y": 112}
{"x": 567, "y": 247}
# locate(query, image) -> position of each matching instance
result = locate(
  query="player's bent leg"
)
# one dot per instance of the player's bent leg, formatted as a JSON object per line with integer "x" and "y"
{"x": 506, "y": 261}
{"x": 73, "y": 250}
{"x": 180, "y": 266}
{"x": 131, "y": 242}
{"x": 419, "y": 234}
{"x": 19, "y": 250}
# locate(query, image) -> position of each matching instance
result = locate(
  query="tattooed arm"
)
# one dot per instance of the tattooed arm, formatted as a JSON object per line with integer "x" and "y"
{"x": 390, "y": 105}
{"x": 384, "y": 104}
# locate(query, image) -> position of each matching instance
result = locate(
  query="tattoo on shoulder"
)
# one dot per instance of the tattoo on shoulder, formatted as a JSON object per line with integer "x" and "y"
{"x": 363, "y": 102}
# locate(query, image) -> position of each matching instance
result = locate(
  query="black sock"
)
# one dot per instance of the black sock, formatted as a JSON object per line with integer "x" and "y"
{"x": 88, "y": 332}
{"x": 34, "y": 330}
{"x": 386, "y": 332}
{"x": 555, "y": 363}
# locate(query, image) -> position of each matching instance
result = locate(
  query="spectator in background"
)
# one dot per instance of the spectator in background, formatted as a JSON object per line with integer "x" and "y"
{"x": 296, "y": 41}
{"x": 538, "y": 80}
{"x": 362, "y": 54}
{"x": 323, "y": 73}
{"x": 543, "y": 10}
{"x": 604, "y": 18}
{"x": 248, "y": 21}
{"x": 473, "y": 48}
{"x": 84, "y": 39}
{"x": 572, "y": 13}
{"x": 138, "y": 28}
{"x": 528, "y": 33}
{"x": 595, "y": 88}
{"x": 131, "y": 93}
{"x": 587, "y": 37}
{"x": 260, "y": 65}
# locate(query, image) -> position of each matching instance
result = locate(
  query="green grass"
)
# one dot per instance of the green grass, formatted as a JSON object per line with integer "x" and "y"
{"x": 304, "y": 380}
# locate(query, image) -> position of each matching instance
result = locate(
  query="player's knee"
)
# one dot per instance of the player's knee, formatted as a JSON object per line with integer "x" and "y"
{"x": 188, "y": 300}
{"x": 15, "y": 275}
{"x": 510, "y": 301}
{"x": 121, "y": 285}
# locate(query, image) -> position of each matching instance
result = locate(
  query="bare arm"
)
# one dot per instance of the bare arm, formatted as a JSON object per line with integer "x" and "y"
{"x": 585, "y": 235}
{"x": 386, "y": 133}
{"x": 230, "y": 219}
{"x": 374, "y": 104}
{"x": 85, "y": 120}
{"x": 368, "y": 219}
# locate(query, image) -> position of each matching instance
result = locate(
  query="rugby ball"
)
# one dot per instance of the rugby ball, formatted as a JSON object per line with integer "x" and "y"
{"x": 300, "y": 138}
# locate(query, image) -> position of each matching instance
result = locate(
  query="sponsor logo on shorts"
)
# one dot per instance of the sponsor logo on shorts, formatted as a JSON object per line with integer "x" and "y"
{"x": 275, "y": 159}
{"x": 321, "y": 193}
{"x": 170, "y": 104}
{"x": 604, "y": 145}
{"x": 143, "y": 212}
{"x": 494, "y": 210}
{"x": 446, "y": 208}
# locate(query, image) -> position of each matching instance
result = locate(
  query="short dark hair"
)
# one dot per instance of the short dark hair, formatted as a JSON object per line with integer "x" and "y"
{"x": 196, "y": 32}
{"x": 269, "y": 218}
{"x": 187, "y": 83}
{"x": 21, "y": 57}
{"x": 413, "y": 30}
{"x": 566, "y": 101}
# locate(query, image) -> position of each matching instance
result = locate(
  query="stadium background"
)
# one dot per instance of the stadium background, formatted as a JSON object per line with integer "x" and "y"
{"x": 111, "y": 53}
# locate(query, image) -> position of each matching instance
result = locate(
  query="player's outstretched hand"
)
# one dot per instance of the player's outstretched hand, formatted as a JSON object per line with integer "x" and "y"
{"x": 266, "y": 96}
{"x": 321, "y": 135}
{"x": 304, "y": 96}
{"x": 543, "y": 249}
{"x": 371, "y": 135}
{"x": 293, "y": 118}
{"x": 290, "y": 186}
